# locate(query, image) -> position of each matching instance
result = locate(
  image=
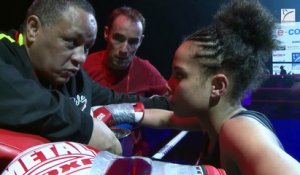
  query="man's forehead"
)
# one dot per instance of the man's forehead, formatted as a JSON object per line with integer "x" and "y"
{"x": 125, "y": 21}
{"x": 77, "y": 20}
{"x": 128, "y": 29}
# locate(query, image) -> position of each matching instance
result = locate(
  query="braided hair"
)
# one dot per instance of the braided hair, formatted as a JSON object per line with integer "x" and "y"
{"x": 238, "y": 43}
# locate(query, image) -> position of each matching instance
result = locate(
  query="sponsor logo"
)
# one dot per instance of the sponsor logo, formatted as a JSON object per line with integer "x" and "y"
{"x": 288, "y": 15}
{"x": 296, "y": 57}
{"x": 281, "y": 32}
{"x": 294, "y": 32}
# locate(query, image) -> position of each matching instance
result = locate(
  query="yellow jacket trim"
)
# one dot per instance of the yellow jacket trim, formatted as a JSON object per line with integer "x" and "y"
{"x": 21, "y": 39}
{"x": 2, "y": 35}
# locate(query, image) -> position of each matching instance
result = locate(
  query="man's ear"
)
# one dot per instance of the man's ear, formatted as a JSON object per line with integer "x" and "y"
{"x": 219, "y": 85}
{"x": 32, "y": 28}
{"x": 141, "y": 39}
{"x": 106, "y": 33}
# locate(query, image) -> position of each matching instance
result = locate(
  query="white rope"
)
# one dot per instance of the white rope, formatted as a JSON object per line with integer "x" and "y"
{"x": 164, "y": 150}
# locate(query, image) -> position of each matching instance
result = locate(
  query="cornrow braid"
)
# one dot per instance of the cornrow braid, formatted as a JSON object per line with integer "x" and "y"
{"x": 210, "y": 48}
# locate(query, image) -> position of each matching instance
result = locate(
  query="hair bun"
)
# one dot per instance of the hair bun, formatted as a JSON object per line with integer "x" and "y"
{"x": 248, "y": 20}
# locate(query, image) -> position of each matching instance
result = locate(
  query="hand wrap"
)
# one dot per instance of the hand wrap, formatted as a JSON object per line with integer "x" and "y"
{"x": 119, "y": 113}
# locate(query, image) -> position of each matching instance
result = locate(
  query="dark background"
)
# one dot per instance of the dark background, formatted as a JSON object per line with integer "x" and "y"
{"x": 167, "y": 23}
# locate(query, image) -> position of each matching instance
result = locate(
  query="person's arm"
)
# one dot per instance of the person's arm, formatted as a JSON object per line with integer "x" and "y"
{"x": 157, "y": 118}
{"x": 103, "y": 96}
{"x": 104, "y": 139}
{"x": 30, "y": 108}
{"x": 135, "y": 113}
{"x": 254, "y": 149}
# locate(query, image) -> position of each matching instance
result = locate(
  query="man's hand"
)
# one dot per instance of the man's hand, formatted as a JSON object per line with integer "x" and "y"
{"x": 104, "y": 139}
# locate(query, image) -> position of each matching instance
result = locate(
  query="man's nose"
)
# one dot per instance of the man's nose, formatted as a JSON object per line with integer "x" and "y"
{"x": 79, "y": 55}
{"x": 124, "y": 48}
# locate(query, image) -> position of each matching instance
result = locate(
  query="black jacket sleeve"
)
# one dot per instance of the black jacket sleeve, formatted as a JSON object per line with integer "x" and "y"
{"x": 26, "y": 106}
{"x": 102, "y": 96}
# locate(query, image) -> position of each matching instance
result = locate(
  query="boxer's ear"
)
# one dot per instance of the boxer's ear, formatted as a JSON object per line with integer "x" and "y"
{"x": 219, "y": 85}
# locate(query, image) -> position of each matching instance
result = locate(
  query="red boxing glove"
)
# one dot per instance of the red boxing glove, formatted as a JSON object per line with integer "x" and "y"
{"x": 53, "y": 158}
{"x": 110, "y": 164}
{"x": 76, "y": 159}
{"x": 119, "y": 113}
{"x": 13, "y": 143}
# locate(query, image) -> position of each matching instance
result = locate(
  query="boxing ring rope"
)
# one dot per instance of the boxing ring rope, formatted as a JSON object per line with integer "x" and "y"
{"x": 165, "y": 149}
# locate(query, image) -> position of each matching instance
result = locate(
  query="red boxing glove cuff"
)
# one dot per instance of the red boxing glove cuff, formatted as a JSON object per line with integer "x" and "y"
{"x": 139, "y": 111}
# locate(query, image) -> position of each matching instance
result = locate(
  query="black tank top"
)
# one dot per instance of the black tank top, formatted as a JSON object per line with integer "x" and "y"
{"x": 213, "y": 158}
